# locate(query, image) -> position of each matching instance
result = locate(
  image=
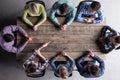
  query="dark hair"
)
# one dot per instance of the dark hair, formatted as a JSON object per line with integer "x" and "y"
{"x": 64, "y": 8}
{"x": 8, "y": 37}
{"x": 93, "y": 69}
{"x": 31, "y": 68}
{"x": 95, "y": 5}
{"x": 117, "y": 39}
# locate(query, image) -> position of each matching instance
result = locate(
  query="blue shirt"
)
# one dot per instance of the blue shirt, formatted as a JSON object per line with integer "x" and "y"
{"x": 69, "y": 65}
{"x": 83, "y": 68}
{"x": 84, "y": 11}
{"x": 55, "y": 11}
{"x": 9, "y": 46}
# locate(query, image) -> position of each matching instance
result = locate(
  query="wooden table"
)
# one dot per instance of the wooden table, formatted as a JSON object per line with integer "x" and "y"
{"x": 78, "y": 38}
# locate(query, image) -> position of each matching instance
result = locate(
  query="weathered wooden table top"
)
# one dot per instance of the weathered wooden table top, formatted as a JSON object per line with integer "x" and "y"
{"x": 77, "y": 38}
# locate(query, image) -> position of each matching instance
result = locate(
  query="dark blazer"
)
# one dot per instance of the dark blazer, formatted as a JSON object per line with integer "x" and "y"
{"x": 106, "y": 33}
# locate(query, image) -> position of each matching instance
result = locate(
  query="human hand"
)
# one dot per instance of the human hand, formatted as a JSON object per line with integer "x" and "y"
{"x": 112, "y": 39}
{"x": 63, "y": 27}
{"x": 63, "y": 53}
{"x": 28, "y": 38}
{"x": 92, "y": 18}
{"x": 101, "y": 39}
{"x": 88, "y": 20}
{"x": 90, "y": 53}
{"x": 45, "y": 44}
{"x": 35, "y": 28}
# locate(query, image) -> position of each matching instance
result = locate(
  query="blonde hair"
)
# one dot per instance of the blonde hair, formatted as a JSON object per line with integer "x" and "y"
{"x": 33, "y": 7}
{"x": 63, "y": 73}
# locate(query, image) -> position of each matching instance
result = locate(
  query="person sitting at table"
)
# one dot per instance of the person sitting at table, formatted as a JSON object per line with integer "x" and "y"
{"x": 62, "y": 8}
{"x": 62, "y": 69}
{"x": 90, "y": 69}
{"x": 34, "y": 8}
{"x": 89, "y": 12}
{"x": 108, "y": 40}
{"x": 8, "y": 39}
{"x": 35, "y": 68}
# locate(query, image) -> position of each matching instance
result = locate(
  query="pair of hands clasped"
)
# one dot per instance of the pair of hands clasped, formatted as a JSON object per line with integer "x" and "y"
{"x": 35, "y": 28}
{"x": 62, "y": 53}
{"x": 90, "y": 53}
{"x": 63, "y": 27}
{"x": 28, "y": 38}
{"x": 89, "y": 20}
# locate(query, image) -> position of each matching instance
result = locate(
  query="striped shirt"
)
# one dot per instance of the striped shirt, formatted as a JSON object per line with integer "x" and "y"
{"x": 84, "y": 11}
{"x": 41, "y": 64}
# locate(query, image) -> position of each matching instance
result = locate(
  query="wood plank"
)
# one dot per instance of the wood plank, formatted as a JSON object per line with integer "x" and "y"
{"x": 63, "y": 38}
{"x": 65, "y": 46}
